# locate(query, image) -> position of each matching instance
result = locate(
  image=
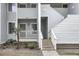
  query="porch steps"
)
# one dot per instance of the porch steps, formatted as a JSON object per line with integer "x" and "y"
{"x": 47, "y": 45}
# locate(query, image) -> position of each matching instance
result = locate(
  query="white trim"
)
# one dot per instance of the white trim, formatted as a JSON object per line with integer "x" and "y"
{"x": 27, "y": 17}
{"x": 28, "y": 40}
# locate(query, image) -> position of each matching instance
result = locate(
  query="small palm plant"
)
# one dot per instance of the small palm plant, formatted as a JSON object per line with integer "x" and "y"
{"x": 17, "y": 31}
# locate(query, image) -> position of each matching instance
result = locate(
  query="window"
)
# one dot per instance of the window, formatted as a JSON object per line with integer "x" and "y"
{"x": 34, "y": 28}
{"x": 65, "y": 5}
{"x": 21, "y": 5}
{"x": 28, "y": 5}
{"x": 11, "y": 28}
{"x": 22, "y": 26}
{"x": 12, "y": 7}
{"x": 58, "y": 5}
{"x": 33, "y": 5}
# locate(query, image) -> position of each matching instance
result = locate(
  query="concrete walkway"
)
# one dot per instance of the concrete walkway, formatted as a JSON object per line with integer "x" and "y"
{"x": 50, "y": 53}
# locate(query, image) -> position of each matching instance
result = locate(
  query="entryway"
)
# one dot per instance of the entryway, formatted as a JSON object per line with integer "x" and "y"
{"x": 44, "y": 27}
{"x": 28, "y": 29}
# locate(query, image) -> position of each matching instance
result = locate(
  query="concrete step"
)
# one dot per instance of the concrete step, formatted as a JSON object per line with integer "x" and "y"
{"x": 47, "y": 45}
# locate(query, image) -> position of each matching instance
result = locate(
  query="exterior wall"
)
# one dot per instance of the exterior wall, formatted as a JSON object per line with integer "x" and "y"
{"x": 27, "y": 13}
{"x": 11, "y": 17}
{"x": 53, "y": 16}
{"x": 3, "y": 22}
{"x": 68, "y": 30}
{"x": 62, "y": 11}
{"x": 73, "y": 8}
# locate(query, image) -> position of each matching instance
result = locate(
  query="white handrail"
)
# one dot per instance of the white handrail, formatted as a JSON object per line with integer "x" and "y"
{"x": 53, "y": 38}
{"x": 41, "y": 38}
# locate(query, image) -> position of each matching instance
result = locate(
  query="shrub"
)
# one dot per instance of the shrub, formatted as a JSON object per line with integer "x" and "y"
{"x": 25, "y": 45}
{"x": 10, "y": 41}
{"x": 32, "y": 45}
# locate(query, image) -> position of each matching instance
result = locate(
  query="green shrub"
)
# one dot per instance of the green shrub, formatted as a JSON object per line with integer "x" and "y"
{"x": 10, "y": 41}
{"x": 32, "y": 45}
{"x": 25, "y": 45}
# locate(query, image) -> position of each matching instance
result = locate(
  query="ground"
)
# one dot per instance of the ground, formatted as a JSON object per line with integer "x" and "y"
{"x": 20, "y": 52}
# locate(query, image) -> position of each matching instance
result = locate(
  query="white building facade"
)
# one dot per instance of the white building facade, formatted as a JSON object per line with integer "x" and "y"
{"x": 40, "y": 21}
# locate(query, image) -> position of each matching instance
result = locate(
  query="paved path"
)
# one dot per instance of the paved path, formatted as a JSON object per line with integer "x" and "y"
{"x": 20, "y": 52}
{"x": 50, "y": 53}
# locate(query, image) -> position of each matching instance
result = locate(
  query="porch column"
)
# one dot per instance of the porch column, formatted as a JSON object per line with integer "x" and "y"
{"x": 16, "y": 19}
{"x": 39, "y": 28}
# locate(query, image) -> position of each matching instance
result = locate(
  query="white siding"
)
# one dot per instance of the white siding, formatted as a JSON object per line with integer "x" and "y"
{"x": 68, "y": 30}
{"x": 3, "y": 22}
{"x": 62, "y": 11}
{"x": 26, "y": 13}
{"x": 53, "y": 16}
{"x": 11, "y": 16}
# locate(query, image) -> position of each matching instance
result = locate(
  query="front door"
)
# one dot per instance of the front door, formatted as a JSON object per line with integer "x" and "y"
{"x": 23, "y": 32}
{"x": 44, "y": 27}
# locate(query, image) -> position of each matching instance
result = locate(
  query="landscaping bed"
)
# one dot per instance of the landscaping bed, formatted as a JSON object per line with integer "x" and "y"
{"x": 13, "y": 44}
{"x": 9, "y": 48}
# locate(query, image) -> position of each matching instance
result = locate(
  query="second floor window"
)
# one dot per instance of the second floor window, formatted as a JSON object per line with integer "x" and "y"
{"x": 59, "y": 5}
{"x": 11, "y": 7}
{"x": 28, "y": 5}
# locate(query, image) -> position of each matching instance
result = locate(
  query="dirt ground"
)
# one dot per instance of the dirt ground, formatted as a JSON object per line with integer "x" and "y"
{"x": 20, "y": 52}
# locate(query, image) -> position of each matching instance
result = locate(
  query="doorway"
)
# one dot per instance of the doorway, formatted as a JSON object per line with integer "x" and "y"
{"x": 44, "y": 27}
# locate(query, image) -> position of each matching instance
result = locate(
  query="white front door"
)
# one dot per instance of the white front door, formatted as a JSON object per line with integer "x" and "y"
{"x": 23, "y": 32}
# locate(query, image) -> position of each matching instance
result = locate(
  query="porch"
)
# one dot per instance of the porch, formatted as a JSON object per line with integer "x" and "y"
{"x": 28, "y": 29}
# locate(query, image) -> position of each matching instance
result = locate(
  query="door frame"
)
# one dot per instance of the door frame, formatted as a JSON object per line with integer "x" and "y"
{"x": 24, "y": 30}
{"x": 46, "y": 25}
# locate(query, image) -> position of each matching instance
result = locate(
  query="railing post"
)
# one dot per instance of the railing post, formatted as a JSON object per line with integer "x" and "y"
{"x": 39, "y": 28}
